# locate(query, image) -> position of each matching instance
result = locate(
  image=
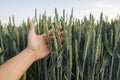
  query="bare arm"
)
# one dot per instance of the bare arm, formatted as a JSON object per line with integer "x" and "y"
{"x": 37, "y": 48}
{"x": 14, "y": 68}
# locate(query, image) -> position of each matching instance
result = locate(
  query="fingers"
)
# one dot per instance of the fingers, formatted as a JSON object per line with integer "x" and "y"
{"x": 50, "y": 32}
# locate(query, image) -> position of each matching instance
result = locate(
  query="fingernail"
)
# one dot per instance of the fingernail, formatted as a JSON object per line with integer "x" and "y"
{"x": 59, "y": 27}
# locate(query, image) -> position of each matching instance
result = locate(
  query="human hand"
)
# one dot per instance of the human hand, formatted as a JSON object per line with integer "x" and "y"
{"x": 38, "y": 43}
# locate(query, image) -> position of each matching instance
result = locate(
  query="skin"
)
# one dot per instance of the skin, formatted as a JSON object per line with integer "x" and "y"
{"x": 37, "y": 48}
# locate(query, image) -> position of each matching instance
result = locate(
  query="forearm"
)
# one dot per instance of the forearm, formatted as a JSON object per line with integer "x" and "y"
{"x": 14, "y": 68}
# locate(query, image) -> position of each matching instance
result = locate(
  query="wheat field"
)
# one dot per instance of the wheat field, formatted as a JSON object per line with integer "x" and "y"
{"x": 91, "y": 50}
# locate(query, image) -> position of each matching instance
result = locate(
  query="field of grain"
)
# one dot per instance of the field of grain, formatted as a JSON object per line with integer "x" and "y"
{"x": 91, "y": 50}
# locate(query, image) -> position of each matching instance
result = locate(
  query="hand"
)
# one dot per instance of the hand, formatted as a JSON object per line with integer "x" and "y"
{"x": 38, "y": 43}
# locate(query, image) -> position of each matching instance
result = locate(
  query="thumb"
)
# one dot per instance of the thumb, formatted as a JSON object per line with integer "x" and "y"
{"x": 32, "y": 27}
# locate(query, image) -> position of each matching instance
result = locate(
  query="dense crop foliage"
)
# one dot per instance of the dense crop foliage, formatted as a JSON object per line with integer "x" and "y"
{"x": 91, "y": 50}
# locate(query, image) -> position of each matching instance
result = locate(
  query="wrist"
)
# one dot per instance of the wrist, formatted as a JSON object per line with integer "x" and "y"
{"x": 31, "y": 52}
